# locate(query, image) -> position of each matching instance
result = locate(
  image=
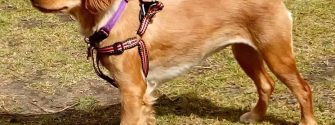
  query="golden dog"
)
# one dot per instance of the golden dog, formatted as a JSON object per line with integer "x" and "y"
{"x": 184, "y": 34}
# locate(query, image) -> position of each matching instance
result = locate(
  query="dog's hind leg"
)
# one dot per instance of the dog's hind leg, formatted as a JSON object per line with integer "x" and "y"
{"x": 252, "y": 64}
{"x": 275, "y": 47}
{"x": 280, "y": 59}
{"x": 272, "y": 34}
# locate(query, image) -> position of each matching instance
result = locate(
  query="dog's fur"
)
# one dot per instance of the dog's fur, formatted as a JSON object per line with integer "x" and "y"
{"x": 184, "y": 34}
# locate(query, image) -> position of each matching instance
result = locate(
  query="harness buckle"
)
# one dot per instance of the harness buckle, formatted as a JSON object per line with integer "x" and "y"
{"x": 98, "y": 36}
{"x": 118, "y": 48}
{"x": 145, "y": 7}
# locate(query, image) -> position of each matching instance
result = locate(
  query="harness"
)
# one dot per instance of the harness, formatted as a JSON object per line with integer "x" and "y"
{"x": 147, "y": 12}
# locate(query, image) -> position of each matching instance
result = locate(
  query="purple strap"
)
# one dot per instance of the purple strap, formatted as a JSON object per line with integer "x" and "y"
{"x": 111, "y": 23}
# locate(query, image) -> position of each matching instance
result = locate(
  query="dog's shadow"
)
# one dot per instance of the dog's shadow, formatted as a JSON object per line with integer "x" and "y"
{"x": 182, "y": 105}
{"x": 189, "y": 104}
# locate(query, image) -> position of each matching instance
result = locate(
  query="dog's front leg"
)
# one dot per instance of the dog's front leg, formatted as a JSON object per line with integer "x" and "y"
{"x": 135, "y": 101}
{"x": 135, "y": 110}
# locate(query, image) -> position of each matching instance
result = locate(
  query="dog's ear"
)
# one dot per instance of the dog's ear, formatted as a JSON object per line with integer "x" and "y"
{"x": 97, "y": 6}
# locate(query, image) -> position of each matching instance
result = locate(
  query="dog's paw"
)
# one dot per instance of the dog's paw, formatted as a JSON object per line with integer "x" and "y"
{"x": 250, "y": 117}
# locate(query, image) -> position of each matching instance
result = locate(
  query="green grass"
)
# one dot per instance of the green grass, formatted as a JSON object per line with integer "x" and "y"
{"x": 87, "y": 104}
{"x": 47, "y": 54}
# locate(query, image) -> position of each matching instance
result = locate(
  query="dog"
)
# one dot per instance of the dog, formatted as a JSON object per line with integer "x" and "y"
{"x": 183, "y": 34}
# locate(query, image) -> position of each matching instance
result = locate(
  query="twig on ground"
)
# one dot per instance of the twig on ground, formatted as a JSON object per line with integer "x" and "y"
{"x": 50, "y": 111}
{"x": 203, "y": 67}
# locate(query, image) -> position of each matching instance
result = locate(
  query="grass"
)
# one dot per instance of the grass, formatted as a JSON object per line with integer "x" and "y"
{"x": 46, "y": 54}
{"x": 87, "y": 104}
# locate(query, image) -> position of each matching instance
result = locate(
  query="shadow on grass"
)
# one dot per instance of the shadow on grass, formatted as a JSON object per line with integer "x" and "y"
{"x": 183, "y": 105}
{"x": 100, "y": 116}
{"x": 187, "y": 104}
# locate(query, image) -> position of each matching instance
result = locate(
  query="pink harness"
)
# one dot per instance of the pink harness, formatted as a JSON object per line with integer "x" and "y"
{"x": 148, "y": 11}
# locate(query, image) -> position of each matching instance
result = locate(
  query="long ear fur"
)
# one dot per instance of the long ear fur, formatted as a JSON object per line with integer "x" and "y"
{"x": 97, "y": 6}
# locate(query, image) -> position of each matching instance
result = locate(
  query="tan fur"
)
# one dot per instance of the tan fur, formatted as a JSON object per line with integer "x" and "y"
{"x": 97, "y": 6}
{"x": 185, "y": 33}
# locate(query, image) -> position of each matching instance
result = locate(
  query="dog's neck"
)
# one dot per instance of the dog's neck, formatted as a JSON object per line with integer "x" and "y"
{"x": 92, "y": 22}
{"x": 106, "y": 16}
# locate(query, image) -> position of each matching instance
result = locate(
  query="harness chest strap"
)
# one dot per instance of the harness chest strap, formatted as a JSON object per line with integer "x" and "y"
{"x": 119, "y": 47}
{"x": 116, "y": 49}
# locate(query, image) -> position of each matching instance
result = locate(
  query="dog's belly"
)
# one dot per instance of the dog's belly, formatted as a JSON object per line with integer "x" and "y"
{"x": 159, "y": 74}
{"x": 170, "y": 65}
